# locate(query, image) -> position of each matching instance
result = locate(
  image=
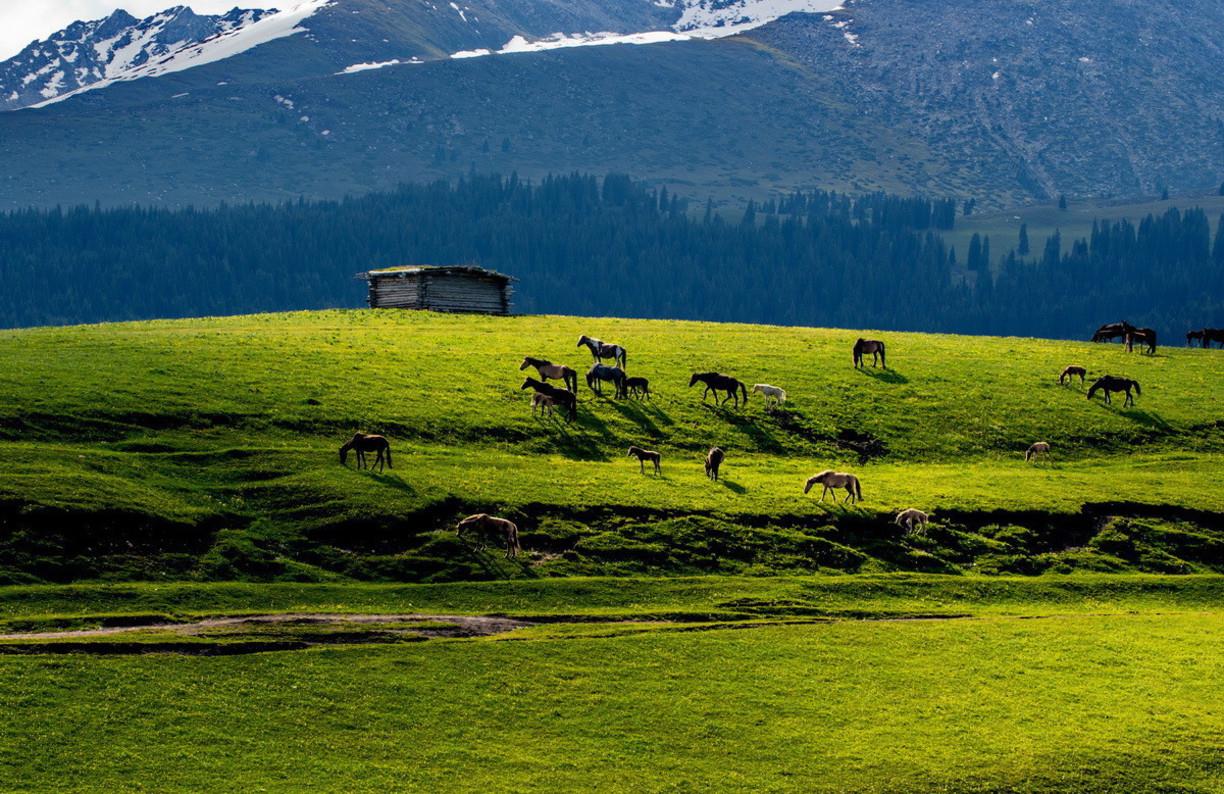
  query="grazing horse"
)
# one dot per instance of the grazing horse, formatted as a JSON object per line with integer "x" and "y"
{"x": 1040, "y": 448}
{"x": 714, "y": 459}
{"x": 908, "y": 518}
{"x": 484, "y": 526}
{"x": 1142, "y": 336}
{"x": 549, "y": 370}
{"x": 361, "y": 443}
{"x": 1110, "y": 331}
{"x": 1205, "y": 336}
{"x": 601, "y": 350}
{"x": 873, "y": 346}
{"x": 601, "y": 372}
{"x": 644, "y": 455}
{"x": 1070, "y": 372}
{"x": 543, "y": 402}
{"x": 639, "y": 387}
{"x": 771, "y": 393}
{"x": 832, "y": 480}
{"x": 562, "y": 397}
{"x": 1108, "y": 383}
{"x": 717, "y": 382}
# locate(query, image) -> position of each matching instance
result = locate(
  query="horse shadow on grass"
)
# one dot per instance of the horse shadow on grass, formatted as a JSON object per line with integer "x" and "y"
{"x": 394, "y": 481}
{"x": 762, "y": 438}
{"x": 639, "y": 415}
{"x": 732, "y": 486}
{"x": 885, "y": 375}
{"x": 1143, "y": 417}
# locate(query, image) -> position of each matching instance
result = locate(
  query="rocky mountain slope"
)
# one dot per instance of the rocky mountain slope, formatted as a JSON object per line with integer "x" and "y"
{"x": 1005, "y": 101}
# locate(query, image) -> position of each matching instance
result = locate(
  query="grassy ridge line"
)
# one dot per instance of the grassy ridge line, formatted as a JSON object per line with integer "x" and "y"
{"x": 892, "y": 593}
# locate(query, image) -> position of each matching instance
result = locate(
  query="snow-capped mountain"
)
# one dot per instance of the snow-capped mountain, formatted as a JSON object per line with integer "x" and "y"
{"x": 119, "y": 47}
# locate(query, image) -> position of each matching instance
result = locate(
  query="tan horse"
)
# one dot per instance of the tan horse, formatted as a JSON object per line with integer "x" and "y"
{"x": 908, "y": 518}
{"x": 644, "y": 455}
{"x": 543, "y": 402}
{"x": 713, "y": 461}
{"x": 1040, "y": 448}
{"x": 485, "y": 526}
{"x": 548, "y": 370}
{"x": 1070, "y": 372}
{"x": 362, "y": 443}
{"x": 832, "y": 480}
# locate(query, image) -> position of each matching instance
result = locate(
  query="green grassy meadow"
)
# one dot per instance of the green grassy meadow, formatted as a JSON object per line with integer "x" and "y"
{"x": 206, "y": 449}
{"x": 196, "y": 595}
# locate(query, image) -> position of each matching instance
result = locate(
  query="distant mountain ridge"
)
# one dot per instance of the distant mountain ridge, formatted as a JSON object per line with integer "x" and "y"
{"x": 1004, "y": 101}
{"x": 86, "y": 53}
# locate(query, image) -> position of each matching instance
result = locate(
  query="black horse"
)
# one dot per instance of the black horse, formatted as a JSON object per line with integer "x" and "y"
{"x": 1109, "y": 383}
{"x": 873, "y": 346}
{"x": 639, "y": 387}
{"x": 717, "y": 382}
{"x": 1110, "y": 331}
{"x": 1205, "y": 337}
{"x": 1144, "y": 336}
{"x": 563, "y": 397}
{"x": 601, "y": 372}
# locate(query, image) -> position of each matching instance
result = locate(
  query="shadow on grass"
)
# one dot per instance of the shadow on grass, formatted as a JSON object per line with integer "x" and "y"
{"x": 394, "y": 481}
{"x": 885, "y": 375}
{"x": 637, "y": 413}
{"x": 732, "y": 486}
{"x": 1145, "y": 418}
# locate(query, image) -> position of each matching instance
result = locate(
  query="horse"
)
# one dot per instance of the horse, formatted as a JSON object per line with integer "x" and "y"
{"x": 361, "y": 443}
{"x": 639, "y": 387}
{"x": 1206, "y": 336}
{"x": 1040, "y": 448}
{"x": 1108, "y": 383}
{"x": 601, "y": 350}
{"x": 771, "y": 393}
{"x": 907, "y": 518}
{"x": 549, "y": 370}
{"x": 714, "y": 459}
{"x": 484, "y": 525}
{"x": 601, "y": 372}
{"x": 1110, "y": 331}
{"x": 1143, "y": 336}
{"x": 543, "y": 402}
{"x": 717, "y": 382}
{"x": 644, "y": 455}
{"x": 873, "y": 346}
{"x": 832, "y": 480}
{"x": 1070, "y": 372}
{"x": 562, "y": 397}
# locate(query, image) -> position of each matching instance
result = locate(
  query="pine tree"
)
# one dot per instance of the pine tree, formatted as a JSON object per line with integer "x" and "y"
{"x": 1062, "y": 201}
{"x": 1023, "y": 248}
{"x": 974, "y": 260}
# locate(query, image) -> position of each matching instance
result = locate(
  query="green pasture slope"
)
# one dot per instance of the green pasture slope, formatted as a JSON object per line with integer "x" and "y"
{"x": 157, "y": 474}
{"x": 207, "y": 449}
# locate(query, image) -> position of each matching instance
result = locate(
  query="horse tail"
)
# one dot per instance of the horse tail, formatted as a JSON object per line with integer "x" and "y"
{"x": 858, "y": 490}
{"x": 387, "y": 449}
{"x": 744, "y": 389}
{"x": 1137, "y": 389}
{"x": 512, "y": 539}
{"x": 883, "y": 361}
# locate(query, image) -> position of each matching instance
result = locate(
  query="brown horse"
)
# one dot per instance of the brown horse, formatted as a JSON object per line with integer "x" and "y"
{"x": 1040, "y": 448}
{"x": 873, "y": 346}
{"x": 638, "y": 387}
{"x": 832, "y": 480}
{"x": 1108, "y": 383}
{"x": 543, "y": 402}
{"x": 362, "y": 443}
{"x": 1205, "y": 337}
{"x": 1144, "y": 336}
{"x": 713, "y": 461}
{"x": 1110, "y": 331}
{"x": 485, "y": 526}
{"x": 644, "y": 455}
{"x": 549, "y": 370}
{"x": 1070, "y": 372}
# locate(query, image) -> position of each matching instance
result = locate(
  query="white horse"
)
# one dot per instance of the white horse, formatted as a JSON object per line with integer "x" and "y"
{"x": 836, "y": 479}
{"x": 908, "y": 518}
{"x": 771, "y": 393}
{"x": 1040, "y": 448}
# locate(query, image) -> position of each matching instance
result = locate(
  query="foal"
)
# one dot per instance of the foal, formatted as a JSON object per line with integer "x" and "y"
{"x": 644, "y": 455}
{"x": 908, "y": 518}
{"x": 543, "y": 402}
{"x": 638, "y": 387}
{"x": 770, "y": 393}
{"x": 714, "y": 459}
{"x": 362, "y": 443}
{"x": 485, "y": 526}
{"x": 1070, "y": 372}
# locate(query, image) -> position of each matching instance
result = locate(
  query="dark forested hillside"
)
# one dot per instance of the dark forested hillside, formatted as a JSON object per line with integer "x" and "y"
{"x": 581, "y": 245}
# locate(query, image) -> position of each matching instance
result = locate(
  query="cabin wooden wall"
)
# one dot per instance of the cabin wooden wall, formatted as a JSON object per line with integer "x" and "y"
{"x": 443, "y": 292}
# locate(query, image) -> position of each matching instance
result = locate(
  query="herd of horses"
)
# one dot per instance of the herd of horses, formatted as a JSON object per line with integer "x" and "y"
{"x": 549, "y": 398}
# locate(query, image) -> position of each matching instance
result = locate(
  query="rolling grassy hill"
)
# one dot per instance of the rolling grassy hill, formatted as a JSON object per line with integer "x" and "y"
{"x": 206, "y": 449}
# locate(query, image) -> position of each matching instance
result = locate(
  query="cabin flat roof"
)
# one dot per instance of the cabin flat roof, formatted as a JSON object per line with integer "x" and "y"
{"x": 466, "y": 270}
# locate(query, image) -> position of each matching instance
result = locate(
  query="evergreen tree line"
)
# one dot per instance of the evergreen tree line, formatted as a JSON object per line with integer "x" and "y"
{"x": 582, "y": 245}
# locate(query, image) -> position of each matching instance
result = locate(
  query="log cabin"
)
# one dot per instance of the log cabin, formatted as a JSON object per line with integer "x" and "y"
{"x": 444, "y": 288}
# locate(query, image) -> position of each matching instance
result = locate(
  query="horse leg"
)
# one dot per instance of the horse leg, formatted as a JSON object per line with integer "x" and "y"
{"x": 824, "y": 491}
{"x": 641, "y": 465}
